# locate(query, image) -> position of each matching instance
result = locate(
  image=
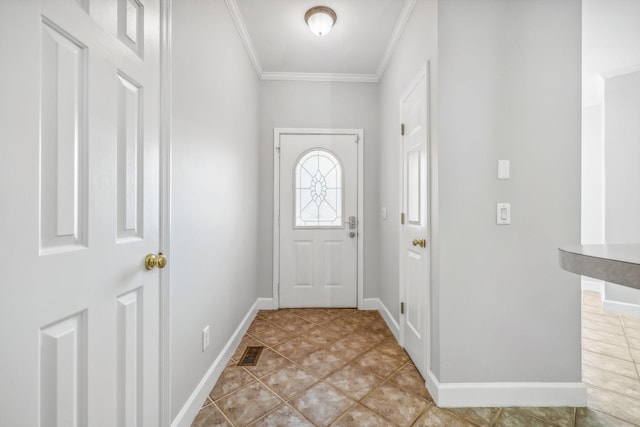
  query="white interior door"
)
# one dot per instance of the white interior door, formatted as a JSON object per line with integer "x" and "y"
{"x": 414, "y": 244}
{"x": 318, "y": 220}
{"x": 79, "y": 191}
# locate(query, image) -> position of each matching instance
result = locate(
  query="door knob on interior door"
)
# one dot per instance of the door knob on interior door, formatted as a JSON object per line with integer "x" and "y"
{"x": 162, "y": 260}
{"x": 420, "y": 242}
{"x": 152, "y": 261}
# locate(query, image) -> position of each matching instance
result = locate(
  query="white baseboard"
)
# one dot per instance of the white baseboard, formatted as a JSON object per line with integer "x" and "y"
{"x": 610, "y": 306}
{"x": 377, "y": 304}
{"x": 389, "y": 320}
{"x": 370, "y": 304}
{"x": 265, "y": 304}
{"x": 589, "y": 284}
{"x": 460, "y": 395}
{"x": 191, "y": 408}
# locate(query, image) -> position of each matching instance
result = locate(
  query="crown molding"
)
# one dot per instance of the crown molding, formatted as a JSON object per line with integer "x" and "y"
{"x": 398, "y": 30}
{"x": 320, "y": 77}
{"x": 407, "y": 10}
{"x": 244, "y": 35}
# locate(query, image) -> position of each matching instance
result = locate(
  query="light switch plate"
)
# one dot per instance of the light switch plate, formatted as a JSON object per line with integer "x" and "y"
{"x": 205, "y": 338}
{"x": 503, "y": 213}
{"x": 504, "y": 167}
{"x": 384, "y": 214}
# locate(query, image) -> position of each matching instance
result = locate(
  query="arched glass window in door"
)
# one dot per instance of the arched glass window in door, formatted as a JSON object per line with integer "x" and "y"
{"x": 318, "y": 192}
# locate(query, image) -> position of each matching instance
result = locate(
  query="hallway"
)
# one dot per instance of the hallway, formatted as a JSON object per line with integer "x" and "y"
{"x": 350, "y": 362}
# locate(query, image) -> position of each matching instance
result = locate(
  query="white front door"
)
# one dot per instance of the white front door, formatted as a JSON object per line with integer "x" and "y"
{"x": 79, "y": 192}
{"x": 414, "y": 244}
{"x": 318, "y": 220}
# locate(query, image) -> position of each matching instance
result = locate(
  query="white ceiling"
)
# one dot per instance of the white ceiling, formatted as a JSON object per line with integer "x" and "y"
{"x": 357, "y": 48}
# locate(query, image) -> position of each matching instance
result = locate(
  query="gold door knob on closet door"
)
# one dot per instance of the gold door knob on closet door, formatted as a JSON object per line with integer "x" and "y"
{"x": 152, "y": 261}
{"x": 420, "y": 242}
{"x": 162, "y": 260}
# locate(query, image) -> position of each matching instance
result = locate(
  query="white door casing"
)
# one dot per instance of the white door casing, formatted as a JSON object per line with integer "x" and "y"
{"x": 414, "y": 232}
{"x": 80, "y": 192}
{"x": 317, "y": 253}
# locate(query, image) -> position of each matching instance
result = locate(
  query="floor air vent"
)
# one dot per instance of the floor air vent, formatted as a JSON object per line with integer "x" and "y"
{"x": 250, "y": 356}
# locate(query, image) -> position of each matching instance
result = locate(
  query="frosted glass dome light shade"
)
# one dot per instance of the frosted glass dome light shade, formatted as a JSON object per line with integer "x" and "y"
{"x": 320, "y": 20}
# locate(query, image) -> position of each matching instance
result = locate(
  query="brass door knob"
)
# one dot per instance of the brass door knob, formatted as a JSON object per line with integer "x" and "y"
{"x": 162, "y": 260}
{"x": 152, "y": 261}
{"x": 420, "y": 242}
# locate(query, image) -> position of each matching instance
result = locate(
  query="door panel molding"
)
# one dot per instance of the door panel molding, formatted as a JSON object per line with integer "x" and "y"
{"x": 277, "y": 133}
{"x": 64, "y": 141}
{"x": 63, "y": 371}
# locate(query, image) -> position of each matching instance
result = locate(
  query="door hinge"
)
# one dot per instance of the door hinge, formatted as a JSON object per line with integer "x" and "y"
{"x": 357, "y": 139}
{"x": 402, "y": 218}
{"x": 278, "y": 150}
{"x": 401, "y": 308}
{"x": 402, "y": 129}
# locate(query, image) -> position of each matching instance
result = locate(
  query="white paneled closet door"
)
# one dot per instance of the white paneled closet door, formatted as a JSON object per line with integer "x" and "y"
{"x": 414, "y": 239}
{"x": 79, "y": 189}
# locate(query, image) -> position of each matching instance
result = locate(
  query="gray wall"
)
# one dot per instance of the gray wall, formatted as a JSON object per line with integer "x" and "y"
{"x": 509, "y": 82}
{"x": 214, "y": 188}
{"x": 318, "y": 105}
{"x": 592, "y": 175}
{"x": 622, "y": 156}
{"x": 622, "y": 174}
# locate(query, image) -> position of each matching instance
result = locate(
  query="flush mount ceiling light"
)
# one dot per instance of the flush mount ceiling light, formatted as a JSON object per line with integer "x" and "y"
{"x": 320, "y": 19}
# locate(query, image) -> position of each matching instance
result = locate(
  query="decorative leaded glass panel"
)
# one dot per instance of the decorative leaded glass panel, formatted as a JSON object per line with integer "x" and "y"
{"x": 318, "y": 190}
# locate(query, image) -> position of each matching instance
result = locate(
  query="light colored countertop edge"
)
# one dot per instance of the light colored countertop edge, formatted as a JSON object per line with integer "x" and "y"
{"x": 613, "y": 263}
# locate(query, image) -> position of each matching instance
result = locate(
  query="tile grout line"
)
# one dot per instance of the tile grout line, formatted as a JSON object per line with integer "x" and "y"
{"x": 460, "y": 417}
{"x": 606, "y": 343}
{"x": 536, "y": 417}
{"x": 383, "y": 382}
{"x": 223, "y": 414}
{"x": 430, "y": 404}
{"x": 496, "y": 417}
{"x": 613, "y": 416}
{"x": 590, "y": 365}
{"x": 284, "y": 403}
{"x": 633, "y": 358}
{"x": 607, "y": 355}
{"x": 601, "y": 331}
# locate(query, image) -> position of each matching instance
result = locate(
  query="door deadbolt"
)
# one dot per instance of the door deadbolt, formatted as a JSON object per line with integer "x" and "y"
{"x": 420, "y": 242}
{"x": 352, "y": 223}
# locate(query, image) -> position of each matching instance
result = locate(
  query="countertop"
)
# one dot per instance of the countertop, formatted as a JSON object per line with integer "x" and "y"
{"x": 615, "y": 263}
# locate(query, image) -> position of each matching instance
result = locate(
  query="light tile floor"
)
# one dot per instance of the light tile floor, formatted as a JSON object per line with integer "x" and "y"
{"x": 342, "y": 367}
{"x": 611, "y": 361}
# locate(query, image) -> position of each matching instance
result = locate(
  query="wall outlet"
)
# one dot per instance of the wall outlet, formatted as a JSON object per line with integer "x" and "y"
{"x": 205, "y": 338}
